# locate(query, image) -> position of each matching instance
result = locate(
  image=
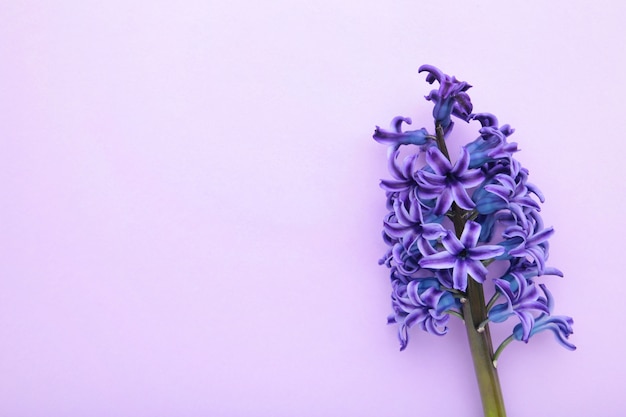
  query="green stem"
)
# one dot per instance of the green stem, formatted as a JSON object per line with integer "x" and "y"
{"x": 491, "y": 302}
{"x": 455, "y": 313}
{"x": 475, "y": 313}
{"x": 504, "y": 344}
{"x": 482, "y": 354}
{"x": 482, "y": 325}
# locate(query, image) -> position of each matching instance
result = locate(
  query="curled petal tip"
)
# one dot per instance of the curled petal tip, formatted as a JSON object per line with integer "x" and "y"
{"x": 434, "y": 73}
{"x": 485, "y": 119}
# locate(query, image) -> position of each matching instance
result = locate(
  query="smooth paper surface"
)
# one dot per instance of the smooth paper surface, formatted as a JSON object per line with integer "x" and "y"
{"x": 191, "y": 219}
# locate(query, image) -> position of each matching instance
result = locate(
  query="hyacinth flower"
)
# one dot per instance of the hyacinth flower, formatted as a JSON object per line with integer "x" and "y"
{"x": 419, "y": 302}
{"x": 448, "y": 183}
{"x": 398, "y": 137}
{"x": 408, "y": 224}
{"x": 450, "y": 98}
{"x": 492, "y": 144}
{"x": 463, "y": 256}
{"x": 448, "y": 221}
{"x": 522, "y": 299}
{"x": 561, "y": 326}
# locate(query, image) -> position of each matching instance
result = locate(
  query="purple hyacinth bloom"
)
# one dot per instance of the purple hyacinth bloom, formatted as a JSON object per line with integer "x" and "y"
{"x": 486, "y": 193}
{"x": 463, "y": 256}
{"x": 403, "y": 185}
{"x": 530, "y": 270}
{"x": 561, "y": 326}
{"x": 504, "y": 150}
{"x": 506, "y": 191}
{"x": 419, "y": 302}
{"x": 522, "y": 300}
{"x": 448, "y": 183}
{"x": 450, "y": 98}
{"x": 529, "y": 244}
{"x": 408, "y": 223}
{"x": 406, "y": 258}
{"x": 491, "y": 144}
{"x": 505, "y": 187}
{"x": 398, "y": 137}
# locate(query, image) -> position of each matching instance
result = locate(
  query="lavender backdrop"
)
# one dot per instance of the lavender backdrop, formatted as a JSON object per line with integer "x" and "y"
{"x": 190, "y": 217}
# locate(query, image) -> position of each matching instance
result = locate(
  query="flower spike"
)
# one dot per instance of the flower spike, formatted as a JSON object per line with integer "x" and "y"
{"x": 448, "y": 221}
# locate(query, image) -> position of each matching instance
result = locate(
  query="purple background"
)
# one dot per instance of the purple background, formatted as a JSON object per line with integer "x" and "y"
{"x": 190, "y": 217}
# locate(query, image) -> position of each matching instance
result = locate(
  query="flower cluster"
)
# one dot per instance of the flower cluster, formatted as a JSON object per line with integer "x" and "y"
{"x": 448, "y": 220}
